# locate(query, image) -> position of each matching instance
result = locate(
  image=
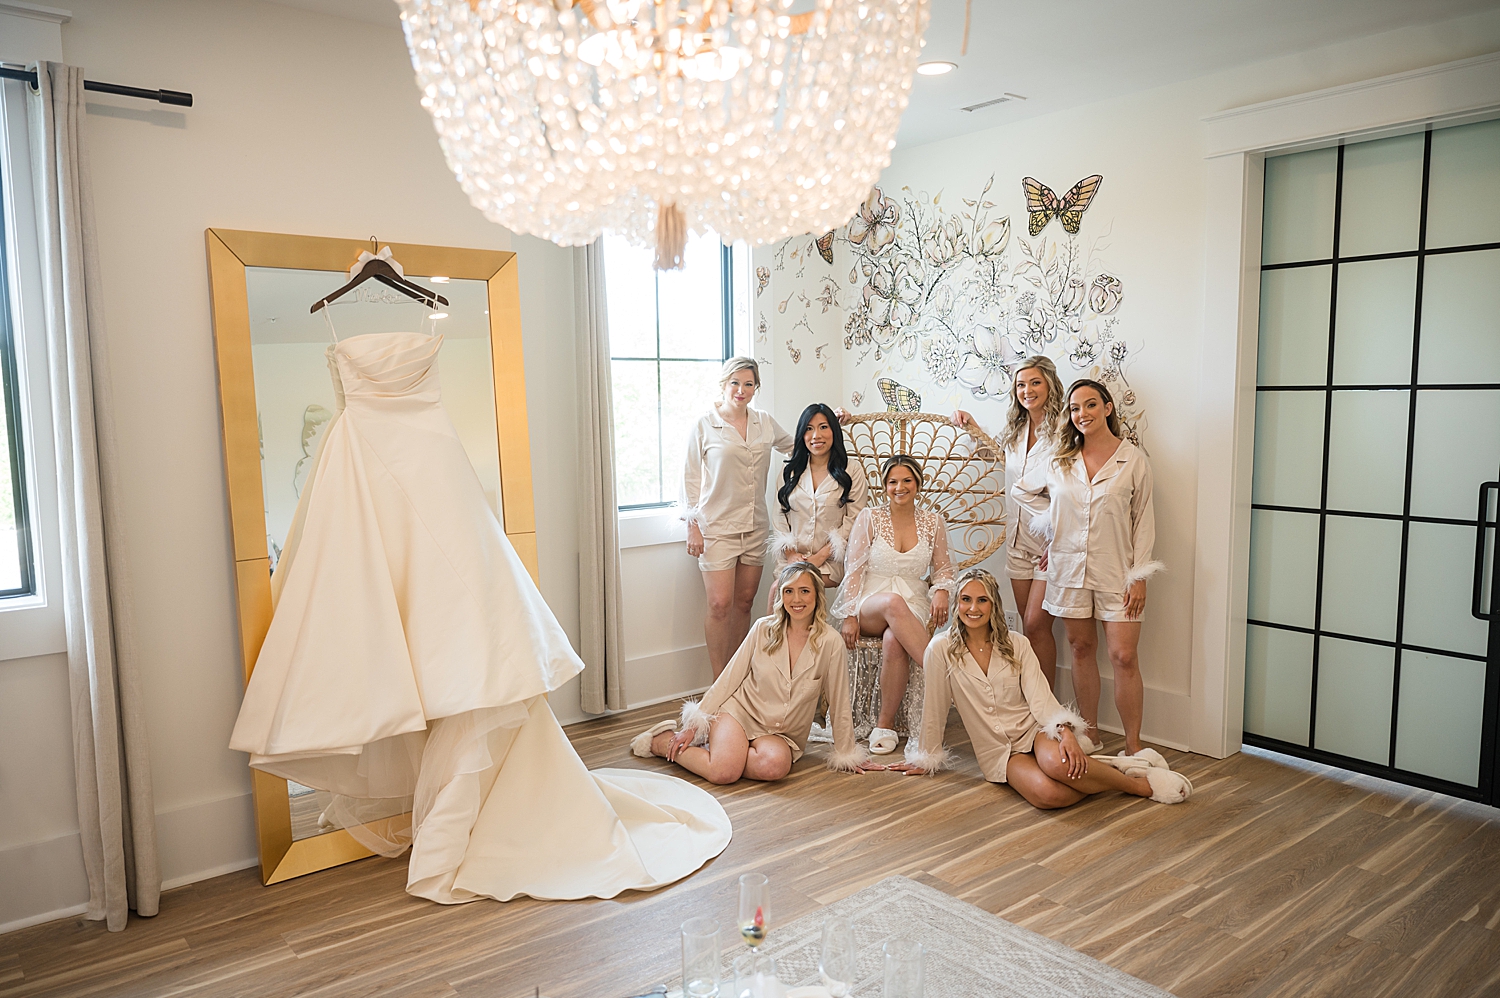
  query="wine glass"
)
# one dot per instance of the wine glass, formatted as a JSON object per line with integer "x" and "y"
{"x": 700, "y": 958}
{"x": 755, "y": 908}
{"x": 836, "y": 960}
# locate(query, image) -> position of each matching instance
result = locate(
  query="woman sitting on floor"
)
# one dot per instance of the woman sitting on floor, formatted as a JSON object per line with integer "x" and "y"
{"x": 1021, "y": 734}
{"x": 754, "y": 720}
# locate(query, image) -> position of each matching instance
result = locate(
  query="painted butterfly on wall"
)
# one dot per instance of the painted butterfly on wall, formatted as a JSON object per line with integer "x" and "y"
{"x": 1043, "y": 205}
{"x": 898, "y": 398}
{"x": 825, "y": 246}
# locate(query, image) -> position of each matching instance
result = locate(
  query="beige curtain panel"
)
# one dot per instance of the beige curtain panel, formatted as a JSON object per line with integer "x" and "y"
{"x": 116, "y": 816}
{"x": 601, "y": 627}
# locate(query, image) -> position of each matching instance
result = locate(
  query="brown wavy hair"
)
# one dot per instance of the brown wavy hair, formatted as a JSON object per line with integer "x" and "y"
{"x": 999, "y": 631}
{"x": 901, "y": 461}
{"x": 1018, "y": 417}
{"x": 1070, "y": 437}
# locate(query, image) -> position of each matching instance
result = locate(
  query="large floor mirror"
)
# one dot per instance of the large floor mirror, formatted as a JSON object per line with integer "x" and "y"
{"x": 276, "y": 397}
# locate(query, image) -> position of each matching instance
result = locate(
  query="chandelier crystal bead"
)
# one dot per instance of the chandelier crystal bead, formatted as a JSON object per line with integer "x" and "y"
{"x": 651, "y": 118}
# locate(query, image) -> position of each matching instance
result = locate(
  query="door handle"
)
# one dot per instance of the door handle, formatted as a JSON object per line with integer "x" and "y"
{"x": 1482, "y": 523}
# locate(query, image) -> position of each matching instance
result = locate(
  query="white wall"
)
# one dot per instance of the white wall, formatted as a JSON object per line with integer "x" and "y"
{"x": 302, "y": 124}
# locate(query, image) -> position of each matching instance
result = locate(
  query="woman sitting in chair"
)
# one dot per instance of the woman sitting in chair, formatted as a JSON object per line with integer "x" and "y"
{"x": 896, "y": 574}
{"x": 1021, "y": 734}
{"x": 754, "y": 720}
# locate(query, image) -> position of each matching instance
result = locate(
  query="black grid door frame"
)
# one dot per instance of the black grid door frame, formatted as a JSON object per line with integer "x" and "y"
{"x": 1490, "y": 740}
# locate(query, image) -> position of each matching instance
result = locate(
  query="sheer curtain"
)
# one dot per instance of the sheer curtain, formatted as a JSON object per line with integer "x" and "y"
{"x": 116, "y": 816}
{"x": 601, "y": 630}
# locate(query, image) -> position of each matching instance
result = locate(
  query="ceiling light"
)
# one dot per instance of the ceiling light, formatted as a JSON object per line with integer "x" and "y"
{"x": 439, "y": 279}
{"x": 936, "y": 68}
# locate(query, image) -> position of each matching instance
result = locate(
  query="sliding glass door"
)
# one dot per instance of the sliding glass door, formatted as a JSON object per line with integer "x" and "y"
{"x": 1373, "y": 642}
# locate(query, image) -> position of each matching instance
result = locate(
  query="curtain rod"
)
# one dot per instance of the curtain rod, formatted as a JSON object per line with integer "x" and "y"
{"x": 176, "y": 97}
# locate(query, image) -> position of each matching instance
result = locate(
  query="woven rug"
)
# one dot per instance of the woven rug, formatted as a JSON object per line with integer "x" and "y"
{"x": 970, "y": 953}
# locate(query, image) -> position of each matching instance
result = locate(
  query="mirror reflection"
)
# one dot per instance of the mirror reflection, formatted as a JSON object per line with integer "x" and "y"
{"x": 295, "y": 400}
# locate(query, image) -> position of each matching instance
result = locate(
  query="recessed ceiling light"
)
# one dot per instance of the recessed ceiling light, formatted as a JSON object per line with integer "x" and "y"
{"x": 936, "y": 68}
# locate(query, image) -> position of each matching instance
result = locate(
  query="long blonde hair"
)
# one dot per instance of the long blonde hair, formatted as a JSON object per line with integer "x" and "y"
{"x": 1070, "y": 437}
{"x": 1017, "y": 419}
{"x": 780, "y": 618}
{"x": 999, "y": 631}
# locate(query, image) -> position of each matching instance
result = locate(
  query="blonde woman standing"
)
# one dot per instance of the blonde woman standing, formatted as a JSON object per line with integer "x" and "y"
{"x": 821, "y": 495}
{"x": 1036, "y": 402}
{"x": 724, "y": 504}
{"x": 1021, "y": 734}
{"x": 754, "y": 721}
{"x": 896, "y": 585}
{"x": 1096, "y": 494}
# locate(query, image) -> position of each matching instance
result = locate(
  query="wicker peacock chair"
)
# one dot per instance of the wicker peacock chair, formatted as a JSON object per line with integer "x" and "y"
{"x": 963, "y": 478}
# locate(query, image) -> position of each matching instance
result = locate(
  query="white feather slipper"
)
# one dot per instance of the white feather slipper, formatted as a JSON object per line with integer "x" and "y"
{"x": 1168, "y": 787}
{"x": 883, "y": 741}
{"x": 640, "y": 745}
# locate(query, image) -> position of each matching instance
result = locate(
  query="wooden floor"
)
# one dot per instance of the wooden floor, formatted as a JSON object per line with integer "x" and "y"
{"x": 1277, "y": 878}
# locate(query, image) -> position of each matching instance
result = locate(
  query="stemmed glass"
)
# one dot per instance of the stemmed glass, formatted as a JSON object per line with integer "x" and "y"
{"x": 755, "y": 908}
{"x": 836, "y": 960}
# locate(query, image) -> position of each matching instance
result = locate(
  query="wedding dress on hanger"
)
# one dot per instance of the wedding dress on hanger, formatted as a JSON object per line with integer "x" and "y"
{"x": 409, "y": 655}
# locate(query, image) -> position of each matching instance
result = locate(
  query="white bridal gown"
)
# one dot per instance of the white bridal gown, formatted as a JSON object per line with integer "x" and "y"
{"x": 408, "y": 657}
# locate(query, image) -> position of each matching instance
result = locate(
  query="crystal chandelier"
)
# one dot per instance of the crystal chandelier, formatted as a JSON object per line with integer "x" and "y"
{"x": 567, "y": 118}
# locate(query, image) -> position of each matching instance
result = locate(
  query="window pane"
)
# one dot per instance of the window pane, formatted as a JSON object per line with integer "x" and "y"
{"x": 692, "y": 303}
{"x": 1462, "y": 208}
{"x": 1361, "y": 574}
{"x": 1440, "y": 589}
{"x": 1298, "y": 219}
{"x": 1440, "y": 717}
{"x": 1294, "y": 326}
{"x": 1278, "y": 683}
{"x": 1288, "y": 448}
{"x": 637, "y": 454}
{"x": 10, "y": 546}
{"x": 688, "y": 388}
{"x": 1283, "y": 566}
{"x": 630, "y": 296}
{"x": 1367, "y": 451}
{"x": 1382, "y": 203}
{"x": 1456, "y": 448}
{"x": 1377, "y": 310}
{"x": 1354, "y": 699}
{"x": 1460, "y": 299}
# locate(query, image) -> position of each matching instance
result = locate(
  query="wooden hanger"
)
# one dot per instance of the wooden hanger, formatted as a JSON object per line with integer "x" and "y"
{"x": 377, "y": 269}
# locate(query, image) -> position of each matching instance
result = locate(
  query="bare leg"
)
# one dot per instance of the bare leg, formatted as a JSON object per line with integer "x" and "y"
{"x": 1083, "y": 639}
{"x": 1043, "y": 778}
{"x": 718, "y": 626}
{"x": 746, "y": 585}
{"x": 1122, "y": 638}
{"x": 722, "y": 760}
{"x": 888, "y": 612}
{"x": 770, "y": 759}
{"x": 1037, "y": 623}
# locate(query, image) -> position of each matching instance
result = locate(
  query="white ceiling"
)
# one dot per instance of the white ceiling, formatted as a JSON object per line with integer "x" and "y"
{"x": 1066, "y": 53}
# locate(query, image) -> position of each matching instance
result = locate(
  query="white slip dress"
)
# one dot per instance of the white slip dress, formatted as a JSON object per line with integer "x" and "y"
{"x": 409, "y": 656}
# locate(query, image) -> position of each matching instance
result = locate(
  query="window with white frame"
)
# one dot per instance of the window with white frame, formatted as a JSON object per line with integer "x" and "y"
{"x": 669, "y": 334}
{"x": 17, "y": 567}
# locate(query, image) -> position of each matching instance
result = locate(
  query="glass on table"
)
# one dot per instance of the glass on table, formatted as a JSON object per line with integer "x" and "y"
{"x": 838, "y": 958}
{"x": 755, "y": 908}
{"x": 701, "y": 964}
{"x": 903, "y": 969}
{"x": 755, "y": 977}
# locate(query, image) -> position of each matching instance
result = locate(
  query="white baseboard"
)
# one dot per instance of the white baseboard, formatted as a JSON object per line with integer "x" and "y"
{"x": 666, "y": 676}
{"x": 49, "y": 916}
{"x": 206, "y": 839}
{"x": 1167, "y": 720}
{"x": 40, "y": 881}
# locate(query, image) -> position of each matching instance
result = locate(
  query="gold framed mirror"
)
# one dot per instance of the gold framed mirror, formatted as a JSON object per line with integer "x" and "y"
{"x": 275, "y": 396}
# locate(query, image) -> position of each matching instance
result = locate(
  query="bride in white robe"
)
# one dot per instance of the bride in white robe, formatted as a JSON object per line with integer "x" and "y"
{"x": 410, "y": 654}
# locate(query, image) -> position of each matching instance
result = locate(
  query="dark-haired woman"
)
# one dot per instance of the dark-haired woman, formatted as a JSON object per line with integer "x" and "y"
{"x": 1095, "y": 493}
{"x": 820, "y": 496}
{"x": 897, "y": 575}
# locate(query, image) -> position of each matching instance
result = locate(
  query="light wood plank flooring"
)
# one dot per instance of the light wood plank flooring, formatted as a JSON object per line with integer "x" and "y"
{"x": 1276, "y": 879}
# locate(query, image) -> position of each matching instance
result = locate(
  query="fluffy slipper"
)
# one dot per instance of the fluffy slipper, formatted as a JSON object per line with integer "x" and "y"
{"x": 1167, "y": 787}
{"x": 1150, "y": 757}
{"x": 640, "y": 745}
{"x": 1088, "y": 745}
{"x": 883, "y": 741}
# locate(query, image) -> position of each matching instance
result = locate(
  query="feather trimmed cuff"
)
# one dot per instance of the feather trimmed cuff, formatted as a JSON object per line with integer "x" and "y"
{"x": 1040, "y": 525}
{"x": 696, "y": 720}
{"x": 692, "y": 514}
{"x": 1141, "y": 573}
{"x": 932, "y": 762}
{"x": 848, "y": 762}
{"x": 781, "y": 544}
{"x": 836, "y": 546}
{"x": 1067, "y": 719}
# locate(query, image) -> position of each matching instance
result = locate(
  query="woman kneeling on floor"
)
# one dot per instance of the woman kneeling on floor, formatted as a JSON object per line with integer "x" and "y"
{"x": 754, "y": 720}
{"x": 1021, "y": 734}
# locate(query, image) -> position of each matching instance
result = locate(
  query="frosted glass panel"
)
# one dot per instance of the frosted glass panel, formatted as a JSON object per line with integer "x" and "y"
{"x": 1457, "y": 447}
{"x": 1372, "y": 334}
{"x": 1298, "y": 219}
{"x": 1278, "y": 683}
{"x": 1354, "y": 699}
{"x": 1283, "y": 566}
{"x": 1440, "y": 716}
{"x": 1462, "y": 207}
{"x": 1382, "y": 206}
{"x": 1439, "y": 589}
{"x": 1460, "y": 305}
{"x": 1294, "y": 326}
{"x": 1288, "y": 448}
{"x": 1367, "y": 451}
{"x": 1361, "y": 572}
